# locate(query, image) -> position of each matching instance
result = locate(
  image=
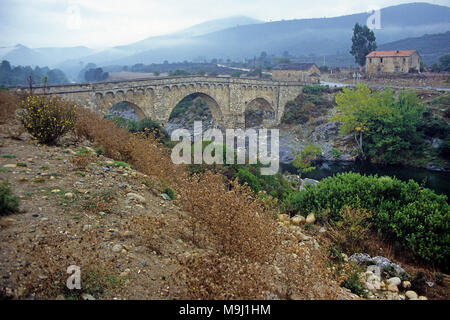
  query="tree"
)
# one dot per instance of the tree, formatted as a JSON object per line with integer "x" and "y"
{"x": 236, "y": 73}
{"x": 156, "y": 73}
{"x": 350, "y": 106}
{"x": 97, "y": 74}
{"x": 5, "y": 66}
{"x": 302, "y": 161}
{"x": 363, "y": 43}
{"x": 445, "y": 62}
{"x": 385, "y": 127}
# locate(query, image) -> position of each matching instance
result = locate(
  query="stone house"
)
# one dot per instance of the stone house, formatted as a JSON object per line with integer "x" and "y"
{"x": 396, "y": 61}
{"x": 303, "y": 72}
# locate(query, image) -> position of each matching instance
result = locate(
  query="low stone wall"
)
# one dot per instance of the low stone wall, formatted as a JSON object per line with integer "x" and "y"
{"x": 434, "y": 80}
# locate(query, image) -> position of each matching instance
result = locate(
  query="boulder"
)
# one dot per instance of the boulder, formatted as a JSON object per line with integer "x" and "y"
{"x": 411, "y": 295}
{"x": 298, "y": 220}
{"x": 392, "y": 288}
{"x": 406, "y": 285}
{"x": 137, "y": 197}
{"x": 311, "y": 218}
{"x": 361, "y": 258}
{"x": 394, "y": 280}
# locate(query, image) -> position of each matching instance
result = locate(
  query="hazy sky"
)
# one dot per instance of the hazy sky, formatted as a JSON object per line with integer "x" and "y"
{"x": 102, "y": 23}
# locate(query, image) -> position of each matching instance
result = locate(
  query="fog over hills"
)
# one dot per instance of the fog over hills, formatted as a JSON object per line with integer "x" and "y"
{"x": 241, "y": 37}
{"x": 430, "y": 46}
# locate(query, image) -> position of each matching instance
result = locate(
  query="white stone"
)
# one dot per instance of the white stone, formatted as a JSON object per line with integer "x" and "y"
{"x": 311, "y": 218}
{"x": 411, "y": 295}
{"x": 298, "y": 220}
{"x": 394, "y": 280}
{"x": 137, "y": 197}
{"x": 117, "y": 248}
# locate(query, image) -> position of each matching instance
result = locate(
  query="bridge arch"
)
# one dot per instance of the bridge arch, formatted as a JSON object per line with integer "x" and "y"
{"x": 258, "y": 112}
{"x": 213, "y": 105}
{"x": 130, "y": 105}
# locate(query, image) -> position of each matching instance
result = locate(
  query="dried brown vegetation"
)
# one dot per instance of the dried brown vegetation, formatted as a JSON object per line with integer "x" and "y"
{"x": 8, "y": 108}
{"x": 49, "y": 257}
{"x": 143, "y": 150}
{"x": 81, "y": 161}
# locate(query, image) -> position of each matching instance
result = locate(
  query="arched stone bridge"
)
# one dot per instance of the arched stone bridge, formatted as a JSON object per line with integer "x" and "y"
{"x": 228, "y": 98}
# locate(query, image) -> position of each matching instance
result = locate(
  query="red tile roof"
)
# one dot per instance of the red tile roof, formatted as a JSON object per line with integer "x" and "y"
{"x": 393, "y": 53}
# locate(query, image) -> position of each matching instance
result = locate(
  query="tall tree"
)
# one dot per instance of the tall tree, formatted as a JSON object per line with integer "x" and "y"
{"x": 363, "y": 43}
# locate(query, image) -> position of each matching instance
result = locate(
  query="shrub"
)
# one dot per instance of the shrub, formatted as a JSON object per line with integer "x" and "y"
{"x": 47, "y": 119}
{"x": 9, "y": 203}
{"x": 314, "y": 89}
{"x": 81, "y": 160}
{"x": 404, "y": 211}
{"x": 170, "y": 192}
{"x": 8, "y": 106}
{"x": 352, "y": 283}
{"x": 349, "y": 232}
{"x": 246, "y": 176}
{"x": 336, "y": 154}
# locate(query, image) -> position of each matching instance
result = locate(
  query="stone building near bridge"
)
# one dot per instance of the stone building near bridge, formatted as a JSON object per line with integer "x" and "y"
{"x": 303, "y": 72}
{"x": 396, "y": 61}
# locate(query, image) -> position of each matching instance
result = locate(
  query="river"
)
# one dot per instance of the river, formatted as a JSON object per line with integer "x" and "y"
{"x": 435, "y": 180}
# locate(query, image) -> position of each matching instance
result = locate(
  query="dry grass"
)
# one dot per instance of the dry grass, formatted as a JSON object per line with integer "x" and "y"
{"x": 9, "y": 104}
{"x": 48, "y": 257}
{"x": 81, "y": 161}
{"x": 143, "y": 151}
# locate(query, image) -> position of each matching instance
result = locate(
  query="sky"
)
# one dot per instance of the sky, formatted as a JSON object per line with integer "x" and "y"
{"x": 106, "y": 23}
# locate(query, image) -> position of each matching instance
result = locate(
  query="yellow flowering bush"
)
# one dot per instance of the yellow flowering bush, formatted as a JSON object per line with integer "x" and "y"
{"x": 47, "y": 118}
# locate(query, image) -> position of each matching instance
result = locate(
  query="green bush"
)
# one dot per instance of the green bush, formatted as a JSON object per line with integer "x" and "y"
{"x": 47, "y": 119}
{"x": 314, "y": 89}
{"x": 143, "y": 125}
{"x": 404, "y": 211}
{"x": 352, "y": 283}
{"x": 336, "y": 154}
{"x": 169, "y": 192}
{"x": 246, "y": 176}
{"x": 9, "y": 203}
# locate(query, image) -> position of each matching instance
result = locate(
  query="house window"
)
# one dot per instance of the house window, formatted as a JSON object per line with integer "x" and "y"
{"x": 381, "y": 60}
{"x": 404, "y": 60}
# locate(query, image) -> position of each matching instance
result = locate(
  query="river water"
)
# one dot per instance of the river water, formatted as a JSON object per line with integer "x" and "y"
{"x": 435, "y": 180}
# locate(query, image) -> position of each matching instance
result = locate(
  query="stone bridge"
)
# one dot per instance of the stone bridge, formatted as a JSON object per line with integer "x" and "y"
{"x": 227, "y": 98}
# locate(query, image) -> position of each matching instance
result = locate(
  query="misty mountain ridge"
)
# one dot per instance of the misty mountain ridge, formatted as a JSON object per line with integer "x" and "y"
{"x": 430, "y": 46}
{"x": 242, "y": 37}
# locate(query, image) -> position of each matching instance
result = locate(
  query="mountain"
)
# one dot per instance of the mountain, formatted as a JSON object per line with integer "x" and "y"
{"x": 430, "y": 46}
{"x": 183, "y": 37}
{"x": 301, "y": 37}
{"x": 22, "y": 55}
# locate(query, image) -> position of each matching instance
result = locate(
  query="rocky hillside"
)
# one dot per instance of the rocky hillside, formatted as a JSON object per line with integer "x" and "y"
{"x": 104, "y": 214}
